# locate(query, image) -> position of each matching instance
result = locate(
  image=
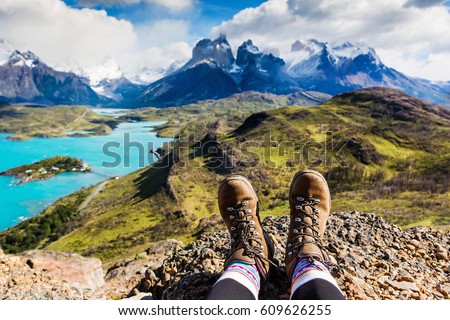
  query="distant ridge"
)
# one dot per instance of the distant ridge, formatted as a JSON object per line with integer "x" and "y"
{"x": 26, "y": 78}
{"x": 213, "y": 72}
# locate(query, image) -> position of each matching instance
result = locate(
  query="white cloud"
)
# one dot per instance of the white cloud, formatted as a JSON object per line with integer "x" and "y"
{"x": 162, "y": 32}
{"x": 399, "y": 33}
{"x": 59, "y": 34}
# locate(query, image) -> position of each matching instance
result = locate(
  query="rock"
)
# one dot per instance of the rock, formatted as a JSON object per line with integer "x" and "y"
{"x": 403, "y": 285}
{"x": 142, "y": 255}
{"x": 396, "y": 246}
{"x": 404, "y": 278}
{"x": 47, "y": 275}
{"x": 125, "y": 275}
{"x": 1, "y": 252}
{"x": 133, "y": 293}
{"x": 441, "y": 255}
{"x": 207, "y": 253}
{"x": 172, "y": 271}
{"x": 85, "y": 273}
{"x": 355, "y": 290}
{"x": 444, "y": 288}
{"x": 422, "y": 252}
{"x": 415, "y": 243}
{"x": 141, "y": 296}
{"x": 166, "y": 277}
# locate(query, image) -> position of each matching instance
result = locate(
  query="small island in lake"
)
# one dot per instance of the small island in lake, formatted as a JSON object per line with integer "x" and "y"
{"x": 46, "y": 169}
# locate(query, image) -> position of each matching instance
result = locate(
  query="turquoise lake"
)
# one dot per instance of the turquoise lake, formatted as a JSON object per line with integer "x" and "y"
{"x": 19, "y": 202}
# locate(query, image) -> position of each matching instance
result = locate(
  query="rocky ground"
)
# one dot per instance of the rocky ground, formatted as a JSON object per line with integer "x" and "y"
{"x": 47, "y": 275}
{"x": 372, "y": 259}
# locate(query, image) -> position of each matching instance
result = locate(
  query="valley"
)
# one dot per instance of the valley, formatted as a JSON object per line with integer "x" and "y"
{"x": 381, "y": 151}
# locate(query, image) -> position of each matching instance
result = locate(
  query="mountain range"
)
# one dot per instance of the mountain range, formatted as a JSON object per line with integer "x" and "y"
{"x": 213, "y": 72}
{"x": 24, "y": 78}
{"x": 339, "y": 68}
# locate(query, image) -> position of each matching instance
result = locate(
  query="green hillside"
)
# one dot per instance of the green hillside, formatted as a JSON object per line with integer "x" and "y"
{"x": 234, "y": 109}
{"x": 381, "y": 151}
{"x": 26, "y": 122}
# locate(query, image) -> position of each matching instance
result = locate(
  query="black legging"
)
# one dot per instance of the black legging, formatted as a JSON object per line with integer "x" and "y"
{"x": 316, "y": 289}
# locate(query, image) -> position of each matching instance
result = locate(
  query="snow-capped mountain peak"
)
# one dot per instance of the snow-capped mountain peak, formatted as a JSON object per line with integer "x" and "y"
{"x": 28, "y": 59}
{"x": 107, "y": 69}
{"x": 250, "y": 47}
{"x": 314, "y": 58}
{"x": 246, "y": 53}
{"x": 351, "y": 50}
{"x": 217, "y": 51}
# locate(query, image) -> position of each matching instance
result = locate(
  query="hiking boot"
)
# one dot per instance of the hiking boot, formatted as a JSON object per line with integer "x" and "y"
{"x": 238, "y": 205}
{"x": 309, "y": 200}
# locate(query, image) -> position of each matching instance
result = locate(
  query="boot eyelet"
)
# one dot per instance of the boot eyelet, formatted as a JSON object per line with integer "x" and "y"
{"x": 252, "y": 222}
{"x": 300, "y": 199}
{"x": 231, "y": 217}
{"x": 230, "y": 209}
{"x": 298, "y": 219}
{"x": 248, "y": 211}
{"x": 290, "y": 253}
{"x": 256, "y": 233}
{"x": 295, "y": 231}
{"x": 316, "y": 210}
{"x": 233, "y": 228}
{"x": 290, "y": 245}
{"x": 232, "y": 240}
{"x": 245, "y": 203}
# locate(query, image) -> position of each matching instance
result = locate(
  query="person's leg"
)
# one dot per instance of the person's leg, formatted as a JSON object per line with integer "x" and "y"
{"x": 239, "y": 282}
{"x": 311, "y": 280}
{"x": 251, "y": 249}
{"x": 306, "y": 257}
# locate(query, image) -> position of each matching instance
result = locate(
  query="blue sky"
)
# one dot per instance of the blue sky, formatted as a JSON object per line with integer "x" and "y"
{"x": 202, "y": 15}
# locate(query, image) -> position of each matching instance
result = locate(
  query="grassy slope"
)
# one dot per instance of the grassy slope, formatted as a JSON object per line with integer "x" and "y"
{"x": 26, "y": 122}
{"x": 235, "y": 109}
{"x": 393, "y": 162}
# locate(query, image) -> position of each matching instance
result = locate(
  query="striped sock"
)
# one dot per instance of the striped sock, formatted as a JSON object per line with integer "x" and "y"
{"x": 305, "y": 271}
{"x": 244, "y": 273}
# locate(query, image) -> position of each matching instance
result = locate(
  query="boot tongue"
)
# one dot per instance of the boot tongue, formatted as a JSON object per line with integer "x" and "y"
{"x": 310, "y": 249}
{"x": 307, "y": 220}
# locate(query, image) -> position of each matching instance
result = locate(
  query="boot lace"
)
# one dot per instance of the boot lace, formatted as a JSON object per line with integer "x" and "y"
{"x": 244, "y": 234}
{"x": 301, "y": 237}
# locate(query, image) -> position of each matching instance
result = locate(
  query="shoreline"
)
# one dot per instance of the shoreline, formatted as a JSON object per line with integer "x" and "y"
{"x": 46, "y": 169}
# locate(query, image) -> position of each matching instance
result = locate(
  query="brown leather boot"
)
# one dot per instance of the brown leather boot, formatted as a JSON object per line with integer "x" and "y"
{"x": 309, "y": 200}
{"x": 238, "y": 206}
